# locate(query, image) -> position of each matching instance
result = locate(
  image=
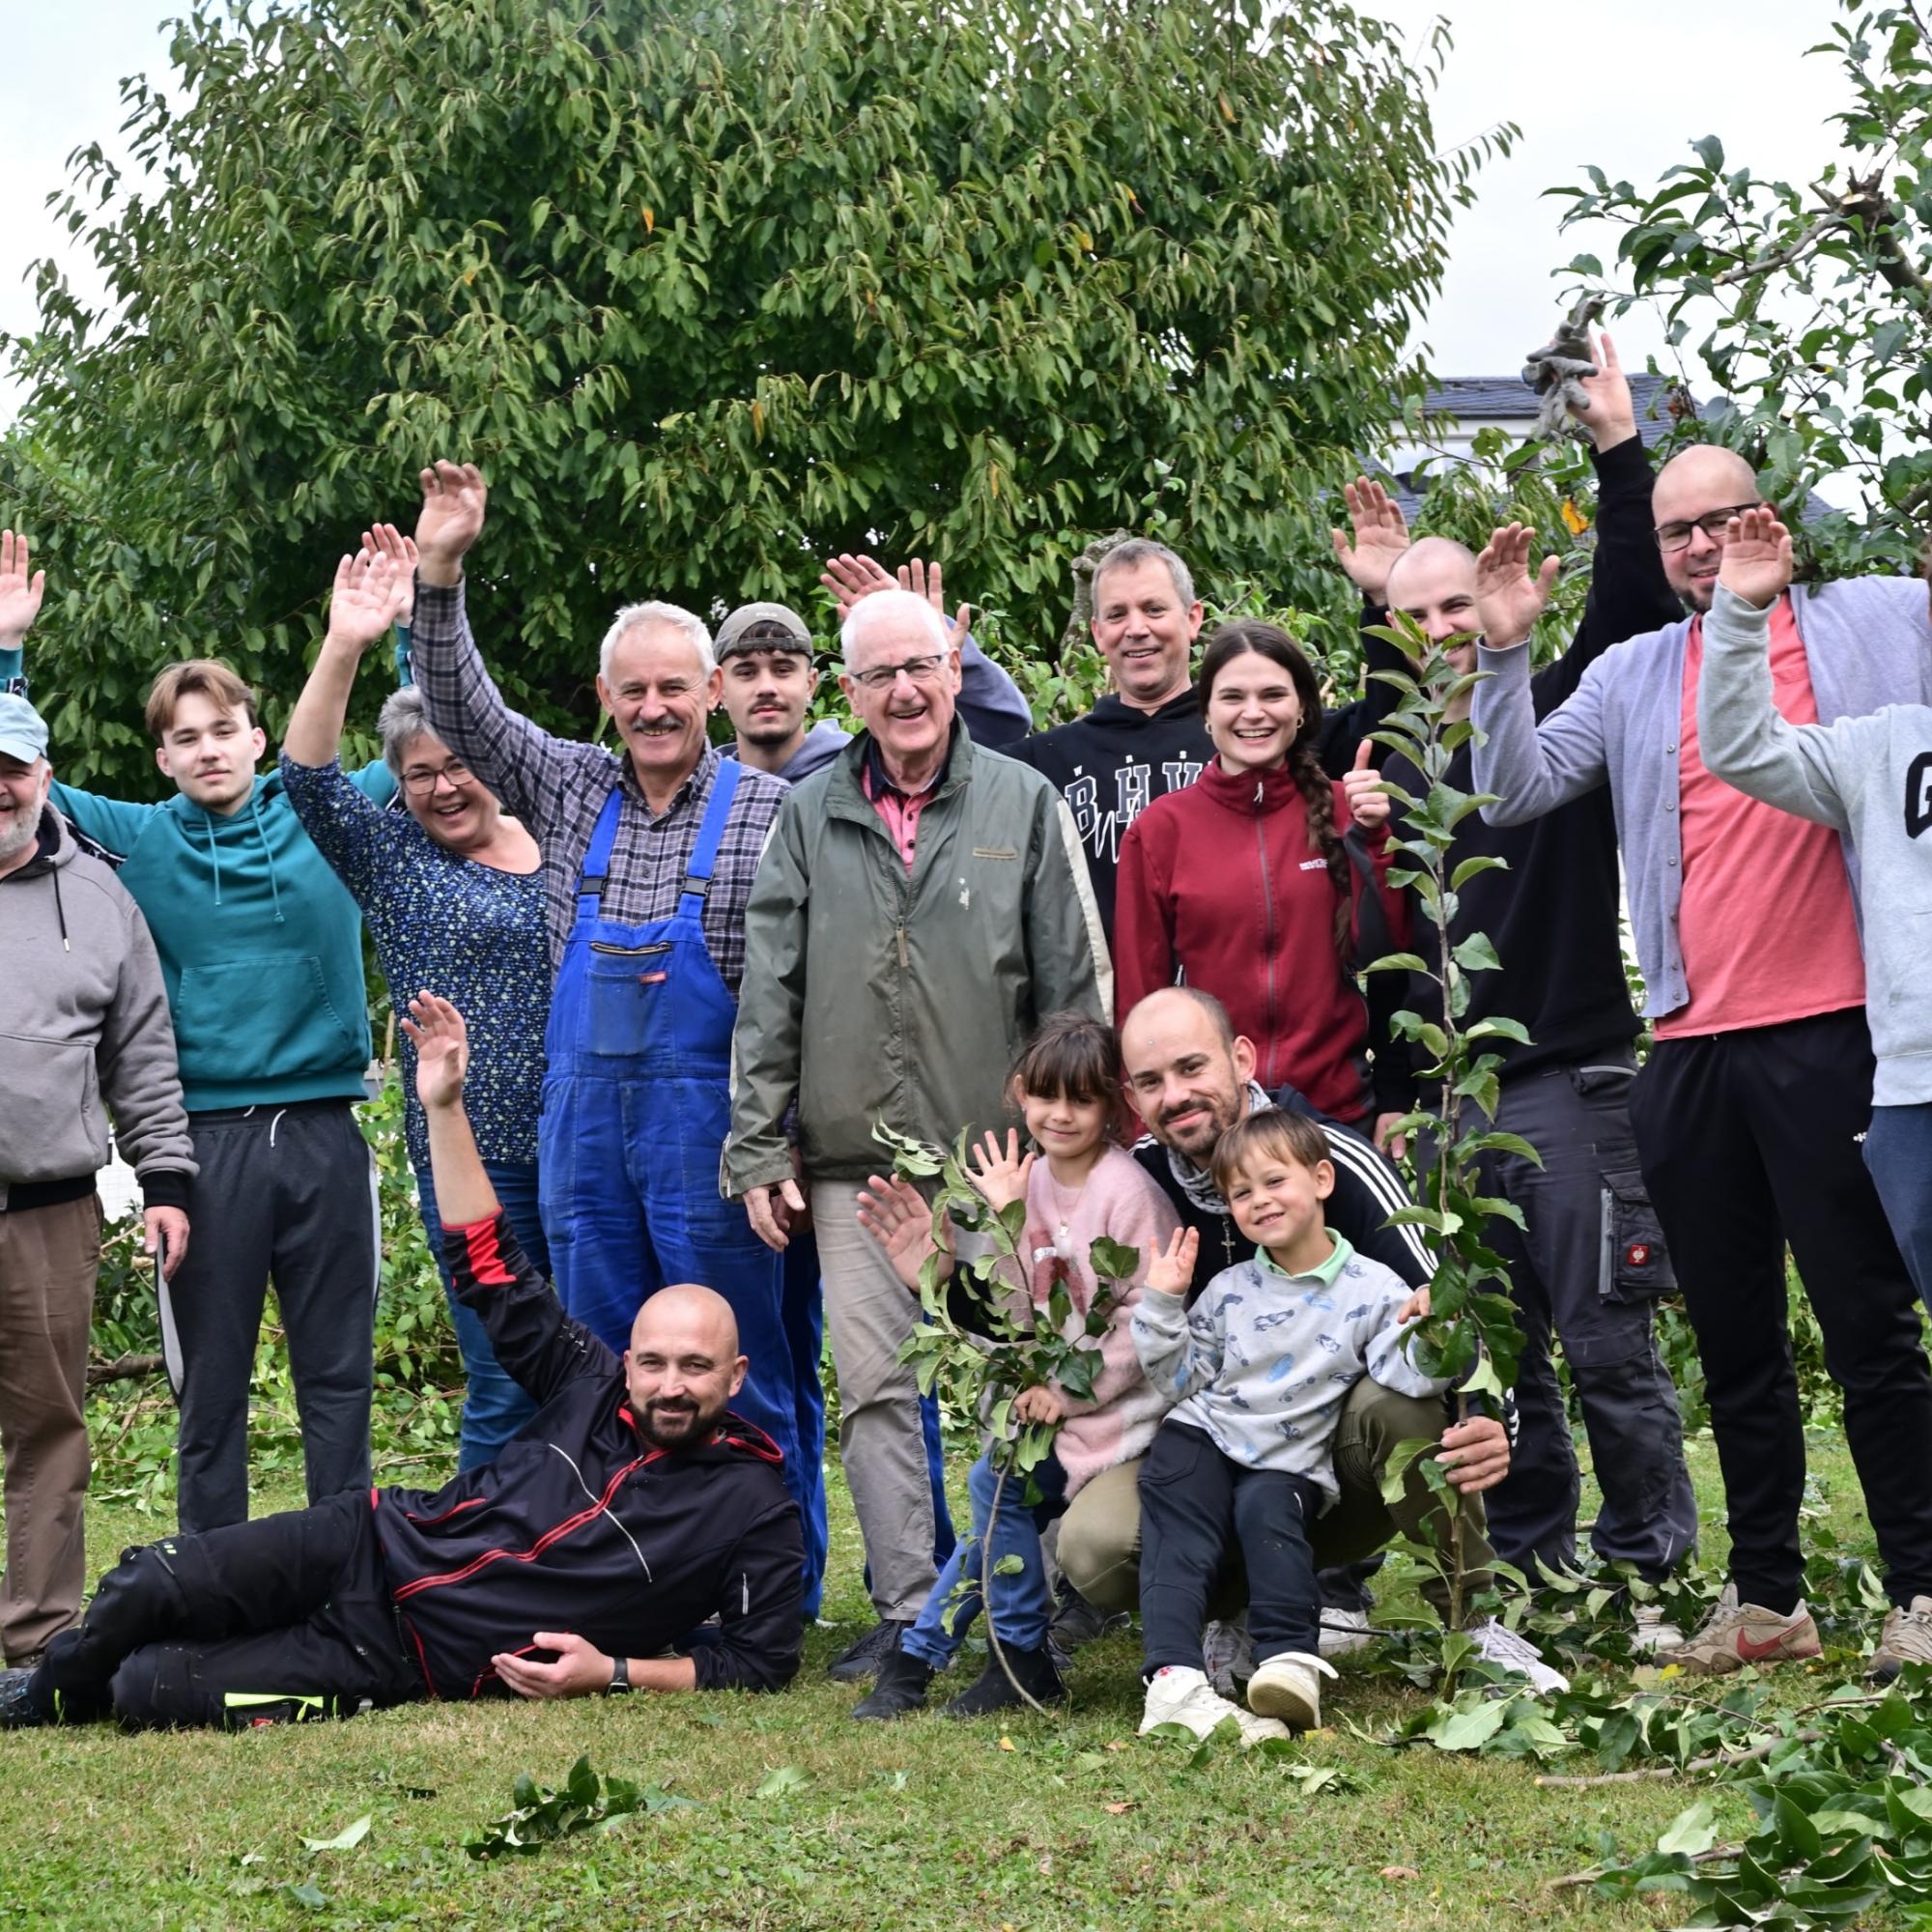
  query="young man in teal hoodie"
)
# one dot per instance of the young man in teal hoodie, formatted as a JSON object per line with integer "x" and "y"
{"x": 260, "y": 953}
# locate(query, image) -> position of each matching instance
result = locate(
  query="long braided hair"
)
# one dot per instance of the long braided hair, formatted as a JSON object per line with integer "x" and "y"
{"x": 1317, "y": 794}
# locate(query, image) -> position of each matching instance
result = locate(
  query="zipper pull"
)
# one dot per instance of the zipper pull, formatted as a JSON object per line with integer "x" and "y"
{"x": 904, "y": 963}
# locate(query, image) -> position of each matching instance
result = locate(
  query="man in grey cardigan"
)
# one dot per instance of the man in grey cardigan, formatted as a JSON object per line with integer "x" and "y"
{"x": 87, "y": 1036}
{"x": 1752, "y": 1107}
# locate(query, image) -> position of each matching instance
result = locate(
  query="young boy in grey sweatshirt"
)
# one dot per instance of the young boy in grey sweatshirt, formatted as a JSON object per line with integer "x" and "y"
{"x": 1869, "y": 778}
{"x": 1259, "y": 1367}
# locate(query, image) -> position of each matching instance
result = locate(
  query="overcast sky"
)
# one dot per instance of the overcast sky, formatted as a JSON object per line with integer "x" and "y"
{"x": 1626, "y": 86}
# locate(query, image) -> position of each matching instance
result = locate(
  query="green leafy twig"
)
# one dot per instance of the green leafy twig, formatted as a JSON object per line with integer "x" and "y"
{"x": 586, "y": 1803}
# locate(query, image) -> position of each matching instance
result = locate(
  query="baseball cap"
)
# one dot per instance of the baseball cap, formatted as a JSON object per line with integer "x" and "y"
{"x": 762, "y": 626}
{"x": 22, "y": 735}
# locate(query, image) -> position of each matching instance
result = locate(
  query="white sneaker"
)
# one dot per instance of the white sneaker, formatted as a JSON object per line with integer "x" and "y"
{"x": 1345, "y": 1632}
{"x": 1228, "y": 1652}
{"x": 1289, "y": 1686}
{"x": 1654, "y": 1631}
{"x": 1499, "y": 1644}
{"x": 1178, "y": 1695}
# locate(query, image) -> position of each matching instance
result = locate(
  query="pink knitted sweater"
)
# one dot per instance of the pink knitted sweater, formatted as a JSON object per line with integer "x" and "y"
{"x": 1119, "y": 1201}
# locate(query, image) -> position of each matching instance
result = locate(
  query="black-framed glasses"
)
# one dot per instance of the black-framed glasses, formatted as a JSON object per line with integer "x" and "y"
{"x": 421, "y": 783}
{"x": 1677, "y": 536}
{"x": 882, "y": 677}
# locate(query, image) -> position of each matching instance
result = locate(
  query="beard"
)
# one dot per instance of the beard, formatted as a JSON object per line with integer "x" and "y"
{"x": 769, "y": 727}
{"x": 676, "y": 1424}
{"x": 18, "y": 830}
{"x": 1197, "y": 1143}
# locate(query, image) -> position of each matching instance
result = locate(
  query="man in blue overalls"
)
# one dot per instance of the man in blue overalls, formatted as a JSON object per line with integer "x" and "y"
{"x": 648, "y": 859}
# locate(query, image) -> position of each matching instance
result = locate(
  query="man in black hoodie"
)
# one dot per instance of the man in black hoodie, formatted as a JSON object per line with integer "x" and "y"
{"x": 629, "y": 1510}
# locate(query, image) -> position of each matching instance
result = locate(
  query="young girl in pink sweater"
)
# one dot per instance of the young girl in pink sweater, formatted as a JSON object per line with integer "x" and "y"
{"x": 1081, "y": 1184}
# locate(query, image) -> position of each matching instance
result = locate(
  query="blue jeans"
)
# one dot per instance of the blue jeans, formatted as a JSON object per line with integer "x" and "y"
{"x": 1898, "y": 1155}
{"x": 1022, "y": 1603}
{"x": 493, "y": 1407}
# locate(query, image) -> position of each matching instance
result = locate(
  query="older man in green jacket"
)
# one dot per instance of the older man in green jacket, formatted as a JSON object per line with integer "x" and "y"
{"x": 924, "y": 903}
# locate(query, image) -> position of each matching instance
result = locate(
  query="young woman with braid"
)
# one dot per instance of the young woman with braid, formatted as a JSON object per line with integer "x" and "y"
{"x": 1242, "y": 885}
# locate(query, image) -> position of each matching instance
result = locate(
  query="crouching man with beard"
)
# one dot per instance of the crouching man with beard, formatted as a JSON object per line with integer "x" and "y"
{"x": 631, "y": 1508}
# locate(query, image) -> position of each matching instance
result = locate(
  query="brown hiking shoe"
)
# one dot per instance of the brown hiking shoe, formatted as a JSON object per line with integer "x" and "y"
{"x": 1736, "y": 1634}
{"x": 1906, "y": 1638}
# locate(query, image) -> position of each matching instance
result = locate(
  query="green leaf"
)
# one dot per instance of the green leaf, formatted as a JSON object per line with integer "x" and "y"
{"x": 1710, "y": 152}
{"x": 1470, "y": 1727}
{"x": 1475, "y": 953}
{"x": 1112, "y": 1261}
{"x": 345, "y": 1839}
{"x": 1693, "y": 1831}
{"x": 786, "y": 1778}
{"x": 1394, "y": 1471}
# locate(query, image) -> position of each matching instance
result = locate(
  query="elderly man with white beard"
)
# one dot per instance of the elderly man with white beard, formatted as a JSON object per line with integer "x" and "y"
{"x": 923, "y": 903}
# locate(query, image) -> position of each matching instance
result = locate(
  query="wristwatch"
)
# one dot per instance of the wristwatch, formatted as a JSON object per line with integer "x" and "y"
{"x": 620, "y": 1677}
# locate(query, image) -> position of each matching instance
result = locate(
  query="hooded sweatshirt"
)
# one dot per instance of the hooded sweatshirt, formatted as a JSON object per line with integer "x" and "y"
{"x": 260, "y": 943}
{"x": 1869, "y": 779}
{"x": 1111, "y": 765}
{"x": 87, "y": 1033}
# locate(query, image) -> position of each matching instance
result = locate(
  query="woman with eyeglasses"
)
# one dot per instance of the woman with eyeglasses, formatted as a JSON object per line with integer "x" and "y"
{"x": 451, "y": 891}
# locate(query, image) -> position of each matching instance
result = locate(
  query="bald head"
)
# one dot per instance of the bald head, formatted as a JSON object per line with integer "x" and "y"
{"x": 1429, "y": 560}
{"x": 1700, "y": 482}
{"x": 687, "y": 1308}
{"x": 683, "y": 1365}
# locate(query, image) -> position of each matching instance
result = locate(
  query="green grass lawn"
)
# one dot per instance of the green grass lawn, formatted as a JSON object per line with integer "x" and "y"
{"x": 1050, "y": 1823}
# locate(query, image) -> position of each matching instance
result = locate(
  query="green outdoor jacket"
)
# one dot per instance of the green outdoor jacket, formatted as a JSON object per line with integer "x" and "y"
{"x": 871, "y": 994}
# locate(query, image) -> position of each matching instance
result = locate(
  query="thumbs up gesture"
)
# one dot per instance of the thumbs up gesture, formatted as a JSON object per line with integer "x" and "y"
{"x": 1367, "y": 802}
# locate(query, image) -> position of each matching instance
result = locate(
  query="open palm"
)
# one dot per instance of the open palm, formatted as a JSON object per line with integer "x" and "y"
{"x": 1757, "y": 558}
{"x": 367, "y": 599}
{"x": 1508, "y": 599}
{"x": 20, "y": 590}
{"x": 455, "y": 501}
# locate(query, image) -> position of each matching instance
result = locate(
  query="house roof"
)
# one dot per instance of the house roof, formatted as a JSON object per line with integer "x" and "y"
{"x": 1510, "y": 399}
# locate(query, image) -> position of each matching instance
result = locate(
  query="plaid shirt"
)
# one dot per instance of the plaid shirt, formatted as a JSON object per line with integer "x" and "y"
{"x": 558, "y": 787}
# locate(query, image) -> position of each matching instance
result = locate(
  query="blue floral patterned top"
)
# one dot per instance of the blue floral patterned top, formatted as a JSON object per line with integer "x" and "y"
{"x": 456, "y": 927}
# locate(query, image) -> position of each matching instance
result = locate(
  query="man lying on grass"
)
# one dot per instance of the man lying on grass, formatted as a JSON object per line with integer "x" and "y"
{"x": 629, "y": 1510}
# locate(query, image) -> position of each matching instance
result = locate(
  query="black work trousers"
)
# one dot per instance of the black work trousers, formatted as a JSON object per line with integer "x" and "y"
{"x": 1749, "y": 1140}
{"x": 1204, "y": 1515}
{"x": 285, "y": 1618}
{"x": 287, "y": 1192}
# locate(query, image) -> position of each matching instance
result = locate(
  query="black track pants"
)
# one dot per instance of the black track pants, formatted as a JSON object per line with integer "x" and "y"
{"x": 288, "y": 1617}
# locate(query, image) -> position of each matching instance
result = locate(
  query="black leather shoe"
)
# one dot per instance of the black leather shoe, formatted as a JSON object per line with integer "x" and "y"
{"x": 863, "y": 1658}
{"x": 900, "y": 1689}
{"x": 994, "y": 1692}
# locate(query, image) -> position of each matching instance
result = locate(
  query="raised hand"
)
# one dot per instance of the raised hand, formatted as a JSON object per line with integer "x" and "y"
{"x": 851, "y": 577}
{"x": 1362, "y": 786}
{"x": 1380, "y": 533}
{"x": 1508, "y": 599}
{"x": 368, "y": 591}
{"x": 20, "y": 594}
{"x": 894, "y": 1213}
{"x": 924, "y": 580}
{"x": 442, "y": 1042}
{"x": 1000, "y": 1175}
{"x": 455, "y": 498}
{"x": 1756, "y": 564}
{"x": 1612, "y": 416}
{"x": 386, "y": 540}
{"x": 1170, "y": 1269}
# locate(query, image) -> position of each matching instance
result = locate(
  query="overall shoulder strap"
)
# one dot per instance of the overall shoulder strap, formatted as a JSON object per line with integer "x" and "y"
{"x": 704, "y": 854}
{"x": 595, "y": 871}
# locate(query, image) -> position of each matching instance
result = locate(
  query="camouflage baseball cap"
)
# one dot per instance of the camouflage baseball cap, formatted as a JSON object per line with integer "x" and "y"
{"x": 762, "y": 626}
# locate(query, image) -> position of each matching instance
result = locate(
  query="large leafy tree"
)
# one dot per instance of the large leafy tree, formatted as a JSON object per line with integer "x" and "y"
{"x": 1809, "y": 304}
{"x": 711, "y": 291}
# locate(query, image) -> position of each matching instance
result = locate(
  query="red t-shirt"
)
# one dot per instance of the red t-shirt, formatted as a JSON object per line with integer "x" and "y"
{"x": 1766, "y": 923}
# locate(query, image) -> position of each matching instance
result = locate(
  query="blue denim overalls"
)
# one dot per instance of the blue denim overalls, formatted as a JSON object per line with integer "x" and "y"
{"x": 635, "y": 1107}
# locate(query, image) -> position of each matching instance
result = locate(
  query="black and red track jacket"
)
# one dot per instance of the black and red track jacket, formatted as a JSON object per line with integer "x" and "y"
{"x": 580, "y": 1524}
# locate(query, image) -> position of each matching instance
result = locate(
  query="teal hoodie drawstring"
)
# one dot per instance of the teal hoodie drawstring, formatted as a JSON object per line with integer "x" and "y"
{"x": 267, "y": 853}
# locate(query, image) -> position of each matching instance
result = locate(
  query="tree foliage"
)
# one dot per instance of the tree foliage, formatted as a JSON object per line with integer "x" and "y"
{"x": 1814, "y": 299}
{"x": 712, "y": 291}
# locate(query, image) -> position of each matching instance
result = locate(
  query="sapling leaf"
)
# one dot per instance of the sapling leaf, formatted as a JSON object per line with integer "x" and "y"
{"x": 345, "y": 1839}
